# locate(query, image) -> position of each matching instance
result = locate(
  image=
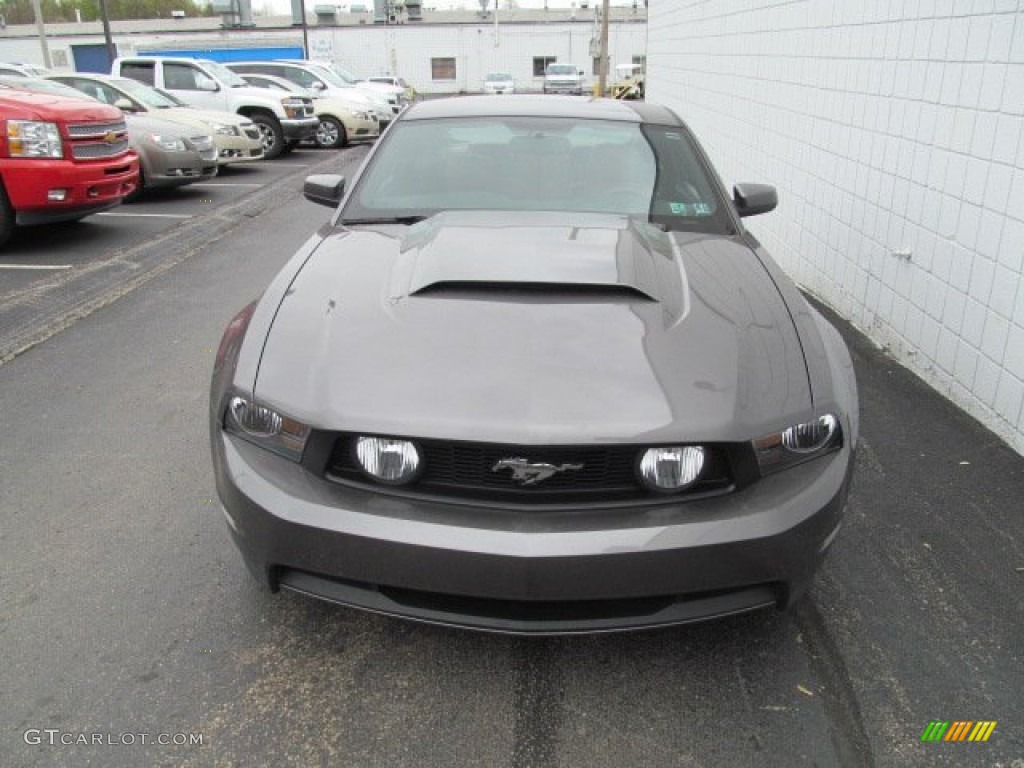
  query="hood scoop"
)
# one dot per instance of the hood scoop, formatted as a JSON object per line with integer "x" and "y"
{"x": 527, "y": 255}
{"x": 512, "y": 290}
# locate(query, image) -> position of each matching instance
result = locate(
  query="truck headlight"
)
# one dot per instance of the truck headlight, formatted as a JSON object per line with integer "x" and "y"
{"x": 30, "y": 138}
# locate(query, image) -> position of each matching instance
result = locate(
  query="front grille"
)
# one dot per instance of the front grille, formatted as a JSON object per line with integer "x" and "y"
{"x": 465, "y": 469}
{"x": 96, "y": 130}
{"x": 94, "y": 151}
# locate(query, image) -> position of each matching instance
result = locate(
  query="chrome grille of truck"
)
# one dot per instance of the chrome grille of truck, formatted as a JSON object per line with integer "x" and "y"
{"x": 93, "y": 151}
{"x": 96, "y": 130}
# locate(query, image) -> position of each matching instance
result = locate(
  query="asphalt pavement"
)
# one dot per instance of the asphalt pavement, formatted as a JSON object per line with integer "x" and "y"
{"x": 126, "y": 610}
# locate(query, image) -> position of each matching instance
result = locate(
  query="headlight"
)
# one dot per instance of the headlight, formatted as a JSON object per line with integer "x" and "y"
{"x": 28, "y": 138}
{"x": 393, "y": 462}
{"x": 202, "y": 143}
{"x": 361, "y": 115}
{"x": 798, "y": 443}
{"x": 170, "y": 143}
{"x": 265, "y": 427}
{"x": 671, "y": 468}
{"x": 223, "y": 129}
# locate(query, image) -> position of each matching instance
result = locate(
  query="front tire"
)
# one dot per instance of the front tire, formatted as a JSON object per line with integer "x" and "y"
{"x": 6, "y": 217}
{"x": 330, "y": 134}
{"x": 136, "y": 193}
{"x": 270, "y": 134}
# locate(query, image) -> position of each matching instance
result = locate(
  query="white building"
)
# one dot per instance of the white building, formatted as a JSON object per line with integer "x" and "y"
{"x": 893, "y": 132}
{"x": 446, "y": 52}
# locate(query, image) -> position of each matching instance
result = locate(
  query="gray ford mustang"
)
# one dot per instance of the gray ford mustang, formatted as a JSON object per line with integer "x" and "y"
{"x": 535, "y": 377}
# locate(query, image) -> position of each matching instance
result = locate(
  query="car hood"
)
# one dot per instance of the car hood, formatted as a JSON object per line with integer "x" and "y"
{"x": 141, "y": 123}
{"x": 201, "y": 116}
{"x": 535, "y": 328}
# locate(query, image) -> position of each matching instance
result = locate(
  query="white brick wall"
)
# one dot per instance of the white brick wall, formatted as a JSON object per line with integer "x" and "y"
{"x": 888, "y": 127}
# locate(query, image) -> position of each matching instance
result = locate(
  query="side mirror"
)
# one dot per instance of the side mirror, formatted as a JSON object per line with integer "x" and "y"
{"x": 318, "y": 86}
{"x": 752, "y": 199}
{"x": 324, "y": 189}
{"x": 125, "y": 105}
{"x": 204, "y": 83}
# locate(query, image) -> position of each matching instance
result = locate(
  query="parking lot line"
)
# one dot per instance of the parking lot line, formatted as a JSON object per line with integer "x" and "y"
{"x": 223, "y": 184}
{"x": 149, "y": 215}
{"x": 35, "y": 266}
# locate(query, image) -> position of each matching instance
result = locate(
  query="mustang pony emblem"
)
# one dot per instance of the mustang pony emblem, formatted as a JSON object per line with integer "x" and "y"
{"x": 527, "y": 473}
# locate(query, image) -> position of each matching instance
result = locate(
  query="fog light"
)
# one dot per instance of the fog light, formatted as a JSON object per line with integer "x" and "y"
{"x": 671, "y": 468}
{"x": 393, "y": 462}
{"x": 57, "y": 195}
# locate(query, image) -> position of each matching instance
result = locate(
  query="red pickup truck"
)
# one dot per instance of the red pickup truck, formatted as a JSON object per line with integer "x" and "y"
{"x": 61, "y": 159}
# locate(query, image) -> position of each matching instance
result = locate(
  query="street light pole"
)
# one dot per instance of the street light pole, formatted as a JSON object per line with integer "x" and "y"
{"x": 42, "y": 33}
{"x": 602, "y": 78}
{"x": 111, "y": 52}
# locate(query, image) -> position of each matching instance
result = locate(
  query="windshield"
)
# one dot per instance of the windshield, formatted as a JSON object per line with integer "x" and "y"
{"x": 497, "y": 78}
{"x": 539, "y": 164}
{"x": 561, "y": 69}
{"x": 225, "y": 75}
{"x": 332, "y": 76}
{"x": 144, "y": 94}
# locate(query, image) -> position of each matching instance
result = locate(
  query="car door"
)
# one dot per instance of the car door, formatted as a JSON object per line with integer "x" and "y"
{"x": 190, "y": 84}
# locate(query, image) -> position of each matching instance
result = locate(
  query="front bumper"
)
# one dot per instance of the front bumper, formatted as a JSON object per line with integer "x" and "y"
{"x": 176, "y": 169}
{"x": 90, "y": 187}
{"x": 360, "y": 128}
{"x": 525, "y": 571}
{"x": 572, "y": 89}
{"x": 239, "y": 149}
{"x": 299, "y": 129}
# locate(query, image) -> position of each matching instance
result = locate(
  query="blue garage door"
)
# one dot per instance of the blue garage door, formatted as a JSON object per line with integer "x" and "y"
{"x": 92, "y": 58}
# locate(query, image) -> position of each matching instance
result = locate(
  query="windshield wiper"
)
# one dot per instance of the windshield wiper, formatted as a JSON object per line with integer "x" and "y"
{"x": 387, "y": 220}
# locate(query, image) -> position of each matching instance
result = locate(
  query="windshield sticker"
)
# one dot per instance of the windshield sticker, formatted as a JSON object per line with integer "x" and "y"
{"x": 685, "y": 209}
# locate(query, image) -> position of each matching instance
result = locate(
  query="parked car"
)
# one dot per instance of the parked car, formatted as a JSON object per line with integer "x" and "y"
{"x": 237, "y": 138}
{"x": 338, "y": 123}
{"x": 396, "y": 82}
{"x": 497, "y": 83}
{"x": 563, "y": 78}
{"x": 61, "y": 159}
{"x": 283, "y": 121}
{"x": 394, "y": 92}
{"x": 323, "y": 81}
{"x": 535, "y": 376}
{"x": 170, "y": 154}
{"x": 18, "y": 69}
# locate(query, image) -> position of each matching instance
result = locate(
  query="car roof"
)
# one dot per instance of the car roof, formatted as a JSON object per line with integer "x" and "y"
{"x": 529, "y": 105}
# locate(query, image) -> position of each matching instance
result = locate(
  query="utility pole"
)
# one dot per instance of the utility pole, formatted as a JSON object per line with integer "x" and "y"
{"x": 42, "y": 33}
{"x": 111, "y": 52}
{"x": 602, "y": 78}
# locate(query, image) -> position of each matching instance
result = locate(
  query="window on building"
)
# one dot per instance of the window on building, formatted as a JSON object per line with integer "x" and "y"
{"x": 442, "y": 68}
{"x": 540, "y": 64}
